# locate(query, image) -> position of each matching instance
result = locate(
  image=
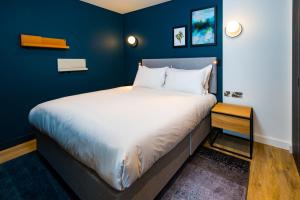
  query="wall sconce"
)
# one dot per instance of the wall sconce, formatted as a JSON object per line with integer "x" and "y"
{"x": 233, "y": 29}
{"x": 132, "y": 41}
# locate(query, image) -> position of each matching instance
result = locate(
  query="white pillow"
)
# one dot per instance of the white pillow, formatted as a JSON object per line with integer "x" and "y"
{"x": 208, "y": 70}
{"x": 150, "y": 77}
{"x": 190, "y": 81}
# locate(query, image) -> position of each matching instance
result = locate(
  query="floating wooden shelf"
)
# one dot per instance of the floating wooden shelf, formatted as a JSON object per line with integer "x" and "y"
{"x": 43, "y": 42}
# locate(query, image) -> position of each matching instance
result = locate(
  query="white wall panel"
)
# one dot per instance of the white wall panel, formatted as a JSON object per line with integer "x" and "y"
{"x": 259, "y": 63}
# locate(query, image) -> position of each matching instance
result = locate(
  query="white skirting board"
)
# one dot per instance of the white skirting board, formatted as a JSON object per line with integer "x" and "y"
{"x": 273, "y": 142}
{"x": 266, "y": 140}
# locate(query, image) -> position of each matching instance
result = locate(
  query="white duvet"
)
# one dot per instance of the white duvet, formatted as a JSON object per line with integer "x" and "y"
{"x": 120, "y": 133}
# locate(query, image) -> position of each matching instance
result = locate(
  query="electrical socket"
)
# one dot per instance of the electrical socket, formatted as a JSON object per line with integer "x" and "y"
{"x": 227, "y": 93}
{"x": 237, "y": 94}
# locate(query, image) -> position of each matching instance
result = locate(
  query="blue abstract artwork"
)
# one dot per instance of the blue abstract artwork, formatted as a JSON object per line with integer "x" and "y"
{"x": 203, "y": 27}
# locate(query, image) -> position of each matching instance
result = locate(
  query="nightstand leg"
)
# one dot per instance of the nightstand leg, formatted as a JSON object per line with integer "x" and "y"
{"x": 215, "y": 134}
{"x": 251, "y": 134}
{"x": 251, "y": 145}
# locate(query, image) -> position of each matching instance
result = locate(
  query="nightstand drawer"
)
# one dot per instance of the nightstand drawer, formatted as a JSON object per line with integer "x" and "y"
{"x": 231, "y": 123}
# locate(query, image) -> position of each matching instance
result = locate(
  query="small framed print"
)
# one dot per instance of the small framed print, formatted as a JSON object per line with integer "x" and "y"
{"x": 179, "y": 36}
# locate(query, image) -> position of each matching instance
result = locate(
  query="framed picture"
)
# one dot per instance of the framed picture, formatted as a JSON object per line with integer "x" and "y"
{"x": 204, "y": 27}
{"x": 179, "y": 36}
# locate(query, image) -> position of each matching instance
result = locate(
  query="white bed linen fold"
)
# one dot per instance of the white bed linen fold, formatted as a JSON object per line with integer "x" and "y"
{"x": 120, "y": 133}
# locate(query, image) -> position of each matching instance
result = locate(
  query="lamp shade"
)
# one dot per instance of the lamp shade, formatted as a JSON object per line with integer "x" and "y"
{"x": 233, "y": 29}
{"x": 132, "y": 41}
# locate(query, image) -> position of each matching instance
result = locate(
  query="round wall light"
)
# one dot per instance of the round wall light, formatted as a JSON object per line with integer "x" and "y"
{"x": 132, "y": 41}
{"x": 233, "y": 29}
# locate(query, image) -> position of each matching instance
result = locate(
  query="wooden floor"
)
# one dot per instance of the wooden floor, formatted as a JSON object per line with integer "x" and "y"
{"x": 273, "y": 173}
{"x": 16, "y": 151}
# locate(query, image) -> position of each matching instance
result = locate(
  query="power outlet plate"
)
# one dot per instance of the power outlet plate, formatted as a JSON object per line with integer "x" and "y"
{"x": 237, "y": 94}
{"x": 227, "y": 93}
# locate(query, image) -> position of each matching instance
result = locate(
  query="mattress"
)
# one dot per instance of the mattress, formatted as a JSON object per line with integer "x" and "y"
{"x": 120, "y": 133}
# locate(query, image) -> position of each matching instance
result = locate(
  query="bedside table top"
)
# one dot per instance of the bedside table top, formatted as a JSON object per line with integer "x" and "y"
{"x": 231, "y": 109}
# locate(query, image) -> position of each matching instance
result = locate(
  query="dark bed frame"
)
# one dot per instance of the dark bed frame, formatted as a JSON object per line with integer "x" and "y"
{"x": 88, "y": 185}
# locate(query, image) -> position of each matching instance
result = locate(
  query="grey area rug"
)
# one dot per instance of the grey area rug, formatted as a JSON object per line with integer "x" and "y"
{"x": 208, "y": 175}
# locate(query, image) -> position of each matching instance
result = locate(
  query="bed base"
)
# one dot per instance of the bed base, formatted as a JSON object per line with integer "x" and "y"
{"x": 87, "y": 185}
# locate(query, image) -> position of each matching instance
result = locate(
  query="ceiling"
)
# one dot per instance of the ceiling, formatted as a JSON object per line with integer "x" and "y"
{"x": 124, "y": 6}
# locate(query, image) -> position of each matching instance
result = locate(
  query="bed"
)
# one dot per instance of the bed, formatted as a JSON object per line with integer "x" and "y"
{"x": 132, "y": 144}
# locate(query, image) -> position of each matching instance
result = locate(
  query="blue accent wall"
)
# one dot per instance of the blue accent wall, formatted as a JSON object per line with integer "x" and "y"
{"x": 29, "y": 76}
{"x": 153, "y": 28}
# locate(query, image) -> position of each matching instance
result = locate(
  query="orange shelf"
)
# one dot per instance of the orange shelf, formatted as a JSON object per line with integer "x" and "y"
{"x": 43, "y": 42}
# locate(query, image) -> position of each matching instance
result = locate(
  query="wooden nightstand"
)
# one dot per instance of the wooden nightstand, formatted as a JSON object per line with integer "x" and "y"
{"x": 238, "y": 119}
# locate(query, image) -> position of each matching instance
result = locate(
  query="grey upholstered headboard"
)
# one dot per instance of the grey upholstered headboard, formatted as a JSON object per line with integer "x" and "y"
{"x": 187, "y": 63}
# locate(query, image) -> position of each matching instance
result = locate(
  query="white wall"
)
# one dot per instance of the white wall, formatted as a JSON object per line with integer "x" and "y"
{"x": 259, "y": 63}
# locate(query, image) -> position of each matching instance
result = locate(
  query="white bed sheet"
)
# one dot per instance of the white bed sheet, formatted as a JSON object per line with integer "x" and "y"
{"x": 120, "y": 133}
